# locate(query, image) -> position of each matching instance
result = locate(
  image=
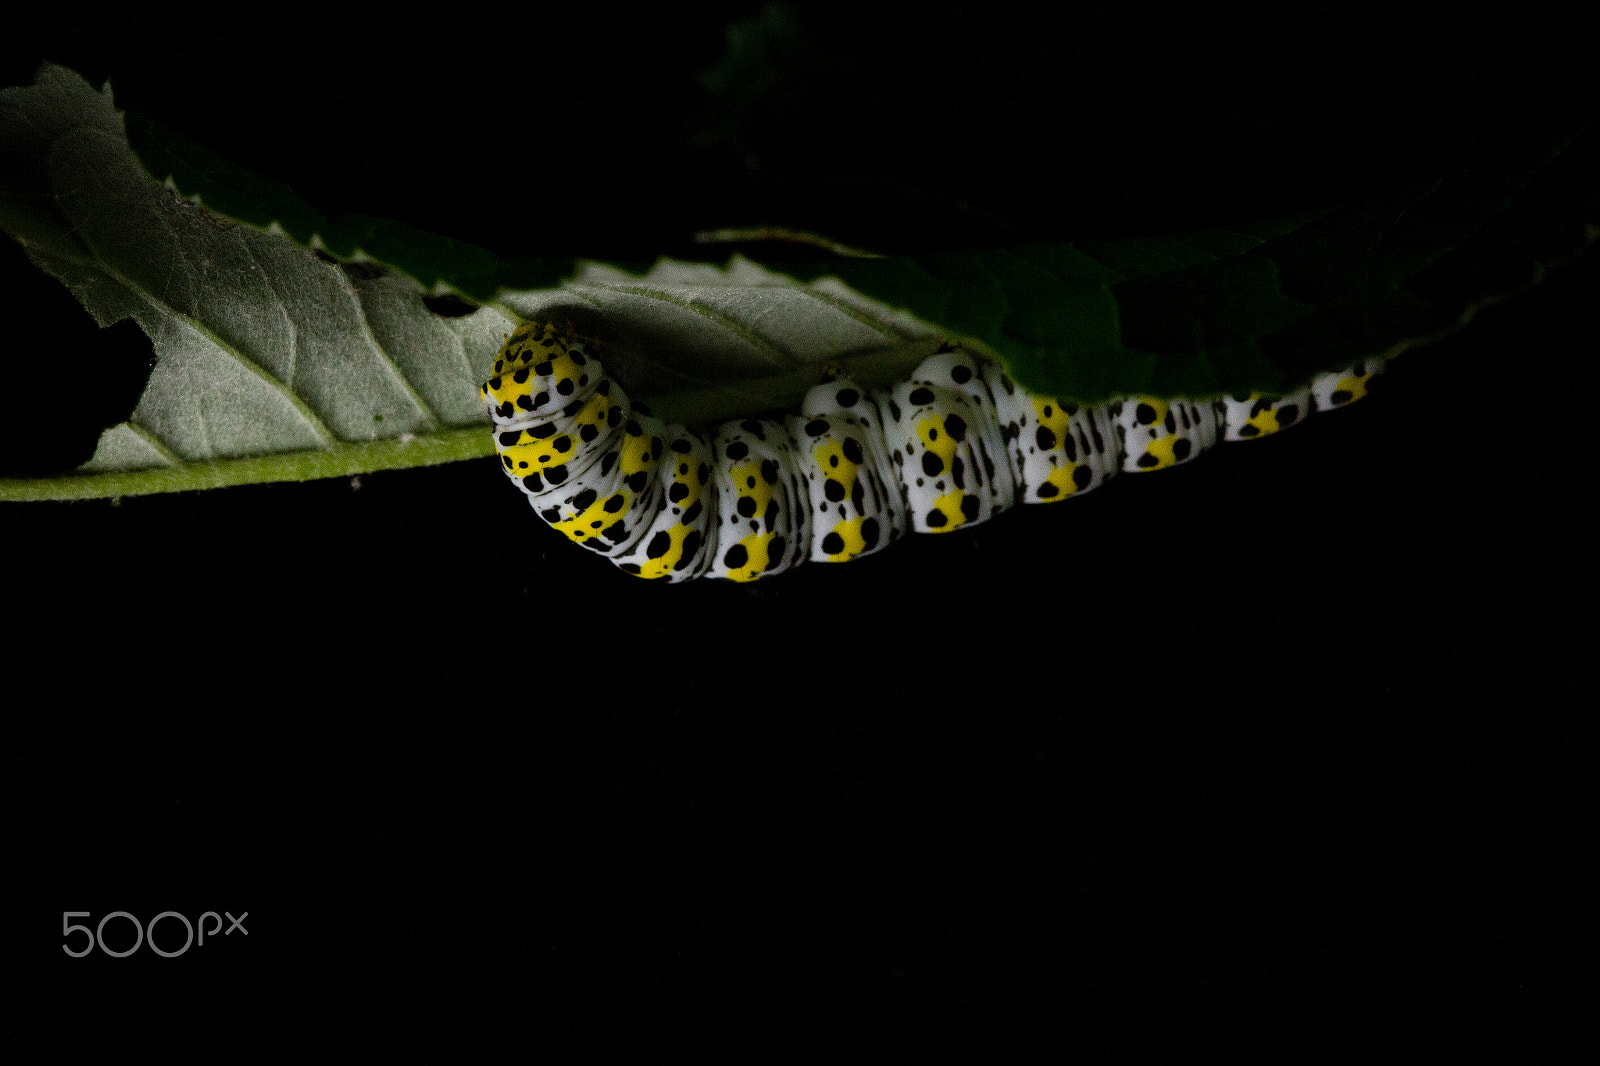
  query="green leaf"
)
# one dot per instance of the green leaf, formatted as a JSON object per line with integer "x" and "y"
{"x": 271, "y": 363}
{"x": 1261, "y": 308}
{"x": 436, "y": 261}
{"x": 274, "y": 363}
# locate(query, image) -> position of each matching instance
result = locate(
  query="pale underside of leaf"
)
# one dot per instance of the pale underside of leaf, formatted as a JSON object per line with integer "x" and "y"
{"x": 275, "y": 363}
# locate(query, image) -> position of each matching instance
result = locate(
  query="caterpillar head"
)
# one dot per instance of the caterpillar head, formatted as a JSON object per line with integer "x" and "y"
{"x": 539, "y": 370}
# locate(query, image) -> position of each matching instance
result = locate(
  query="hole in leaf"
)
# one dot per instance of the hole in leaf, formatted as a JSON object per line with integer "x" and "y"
{"x": 449, "y": 305}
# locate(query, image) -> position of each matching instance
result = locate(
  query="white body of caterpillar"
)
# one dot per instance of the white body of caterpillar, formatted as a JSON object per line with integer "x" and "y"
{"x": 852, "y": 472}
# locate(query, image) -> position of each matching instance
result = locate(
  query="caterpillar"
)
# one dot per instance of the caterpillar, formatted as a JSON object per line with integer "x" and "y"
{"x": 849, "y": 474}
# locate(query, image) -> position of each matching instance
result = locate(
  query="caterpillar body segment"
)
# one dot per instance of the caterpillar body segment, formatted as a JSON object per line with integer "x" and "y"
{"x": 677, "y": 529}
{"x": 854, "y": 509}
{"x": 764, "y": 517}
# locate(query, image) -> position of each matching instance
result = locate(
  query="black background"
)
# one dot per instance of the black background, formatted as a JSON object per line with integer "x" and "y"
{"x": 1290, "y": 736}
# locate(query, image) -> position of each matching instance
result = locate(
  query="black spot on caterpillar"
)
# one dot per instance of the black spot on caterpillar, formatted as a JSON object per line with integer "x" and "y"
{"x": 850, "y": 473}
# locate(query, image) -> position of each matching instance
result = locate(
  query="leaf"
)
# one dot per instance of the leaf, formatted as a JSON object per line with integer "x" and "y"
{"x": 1258, "y": 308}
{"x": 235, "y": 193}
{"x": 273, "y": 363}
{"x": 264, "y": 352}
{"x": 1228, "y": 310}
